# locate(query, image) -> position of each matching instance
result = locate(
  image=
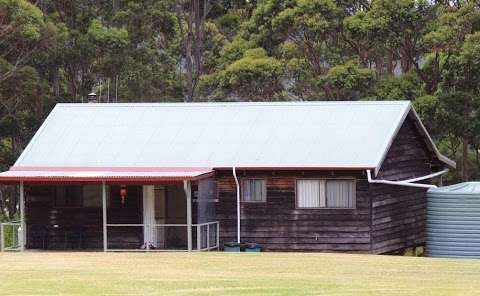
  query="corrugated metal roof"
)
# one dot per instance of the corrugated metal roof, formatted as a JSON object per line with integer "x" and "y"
{"x": 46, "y": 174}
{"x": 273, "y": 134}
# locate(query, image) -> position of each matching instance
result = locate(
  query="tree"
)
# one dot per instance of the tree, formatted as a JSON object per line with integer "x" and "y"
{"x": 445, "y": 40}
{"x": 391, "y": 31}
{"x": 347, "y": 82}
{"x": 23, "y": 32}
{"x": 148, "y": 68}
{"x": 19, "y": 106}
{"x": 254, "y": 77}
{"x": 191, "y": 18}
{"x": 461, "y": 89}
{"x": 304, "y": 34}
{"x": 407, "y": 87}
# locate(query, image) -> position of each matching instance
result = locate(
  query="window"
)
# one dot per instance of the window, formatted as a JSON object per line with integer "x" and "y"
{"x": 311, "y": 194}
{"x": 326, "y": 193}
{"x": 254, "y": 190}
{"x": 340, "y": 193}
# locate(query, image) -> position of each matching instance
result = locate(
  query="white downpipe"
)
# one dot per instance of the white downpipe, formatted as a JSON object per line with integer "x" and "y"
{"x": 427, "y": 177}
{"x": 22, "y": 235}
{"x": 238, "y": 203}
{"x": 409, "y": 182}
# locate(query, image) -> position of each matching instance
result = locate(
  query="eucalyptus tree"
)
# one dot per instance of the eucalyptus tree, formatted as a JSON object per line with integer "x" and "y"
{"x": 454, "y": 64}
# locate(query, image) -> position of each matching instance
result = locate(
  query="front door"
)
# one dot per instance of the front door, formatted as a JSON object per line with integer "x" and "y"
{"x": 125, "y": 206}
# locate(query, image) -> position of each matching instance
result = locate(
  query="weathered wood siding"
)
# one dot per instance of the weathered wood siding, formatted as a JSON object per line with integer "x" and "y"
{"x": 398, "y": 212}
{"x": 387, "y": 218}
{"x": 277, "y": 225}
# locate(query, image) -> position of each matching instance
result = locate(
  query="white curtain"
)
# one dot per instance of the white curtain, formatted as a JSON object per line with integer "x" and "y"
{"x": 310, "y": 193}
{"x": 340, "y": 193}
{"x": 253, "y": 190}
{"x": 149, "y": 232}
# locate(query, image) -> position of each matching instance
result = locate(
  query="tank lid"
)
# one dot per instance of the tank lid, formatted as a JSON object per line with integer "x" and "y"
{"x": 461, "y": 188}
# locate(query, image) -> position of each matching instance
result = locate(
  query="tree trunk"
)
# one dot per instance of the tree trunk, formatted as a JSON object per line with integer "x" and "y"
{"x": 465, "y": 159}
{"x": 390, "y": 61}
{"x": 189, "y": 53}
{"x": 193, "y": 43}
{"x": 56, "y": 84}
{"x": 465, "y": 140}
{"x": 477, "y": 157}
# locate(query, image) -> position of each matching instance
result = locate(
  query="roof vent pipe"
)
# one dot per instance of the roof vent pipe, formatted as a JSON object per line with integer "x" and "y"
{"x": 238, "y": 203}
{"x": 92, "y": 97}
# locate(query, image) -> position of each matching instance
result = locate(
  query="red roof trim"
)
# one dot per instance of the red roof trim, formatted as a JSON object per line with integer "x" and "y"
{"x": 94, "y": 179}
{"x": 197, "y": 173}
{"x": 54, "y": 179}
{"x": 190, "y": 173}
{"x": 183, "y": 169}
{"x": 109, "y": 169}
{"x": 299, "y": 168}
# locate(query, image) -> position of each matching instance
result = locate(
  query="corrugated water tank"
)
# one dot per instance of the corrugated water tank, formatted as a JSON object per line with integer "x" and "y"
{"x": 453, "y": 221}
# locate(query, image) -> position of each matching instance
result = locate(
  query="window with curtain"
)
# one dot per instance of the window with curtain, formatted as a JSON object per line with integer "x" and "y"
{"x": 325, "y": 193}
{"x": 254, "y": 190}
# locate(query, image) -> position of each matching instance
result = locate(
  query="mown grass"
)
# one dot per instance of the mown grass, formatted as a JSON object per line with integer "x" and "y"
{"x": 216, "y": 273}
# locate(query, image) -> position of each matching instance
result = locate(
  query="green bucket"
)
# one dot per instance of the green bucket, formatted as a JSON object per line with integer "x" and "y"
{"x": 231, "y": 247}
{"x": 253, "y": 248}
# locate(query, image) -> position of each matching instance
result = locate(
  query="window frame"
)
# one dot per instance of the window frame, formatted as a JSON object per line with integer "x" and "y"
{"x": 353, "y": 179}
{"x": 264, "y": 190}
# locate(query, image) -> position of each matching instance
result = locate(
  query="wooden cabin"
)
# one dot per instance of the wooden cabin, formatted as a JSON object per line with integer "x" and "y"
{"x": 289, "y": 176}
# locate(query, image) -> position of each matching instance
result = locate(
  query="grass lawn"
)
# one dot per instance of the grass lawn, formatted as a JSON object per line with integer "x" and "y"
{"x": 33, "y": 273}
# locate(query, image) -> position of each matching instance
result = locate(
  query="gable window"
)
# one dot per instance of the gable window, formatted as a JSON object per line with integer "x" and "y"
{"x": 254, "y": 190}
{"x": 326, "y": 193}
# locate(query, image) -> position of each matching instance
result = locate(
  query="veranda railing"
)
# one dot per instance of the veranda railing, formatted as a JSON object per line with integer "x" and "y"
{"x": 10, "y": 238}
{"x": 207, "y": 237}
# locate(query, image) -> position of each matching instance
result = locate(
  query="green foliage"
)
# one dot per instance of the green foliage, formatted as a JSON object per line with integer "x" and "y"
{"x": 428, "y": 108}
{"x": 347, "y": 82}
{"x": 404, "y": 87}
{"x": 307, "y": 17}
{"x": 229, "y": 23}
{"x": 25, "y": 19}
{"x": 255, "y": 76}
{"x": 452, "y": 26}
{"x": 214, "y": 44}
{"x": 107, "y": 38}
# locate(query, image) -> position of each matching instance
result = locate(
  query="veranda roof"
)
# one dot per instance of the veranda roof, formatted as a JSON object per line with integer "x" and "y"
{"x": 92, "y": 174}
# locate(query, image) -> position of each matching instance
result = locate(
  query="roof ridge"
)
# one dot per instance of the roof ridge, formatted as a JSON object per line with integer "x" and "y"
{"x": 236, "y": 104}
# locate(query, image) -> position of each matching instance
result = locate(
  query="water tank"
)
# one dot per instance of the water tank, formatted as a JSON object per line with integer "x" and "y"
{"x": 453, "y": 221}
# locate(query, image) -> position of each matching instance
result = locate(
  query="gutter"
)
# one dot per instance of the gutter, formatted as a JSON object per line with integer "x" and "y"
{"x": 408, "y": 182}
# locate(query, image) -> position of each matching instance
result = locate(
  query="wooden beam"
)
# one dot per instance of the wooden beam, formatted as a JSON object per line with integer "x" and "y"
{"x": 104, "y": 208}
{"x": 23, "y": 225}
{"x": 187, "y": 187}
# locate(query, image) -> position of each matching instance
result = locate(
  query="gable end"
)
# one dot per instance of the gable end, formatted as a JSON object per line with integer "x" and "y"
{"x": 409, "y": 155}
